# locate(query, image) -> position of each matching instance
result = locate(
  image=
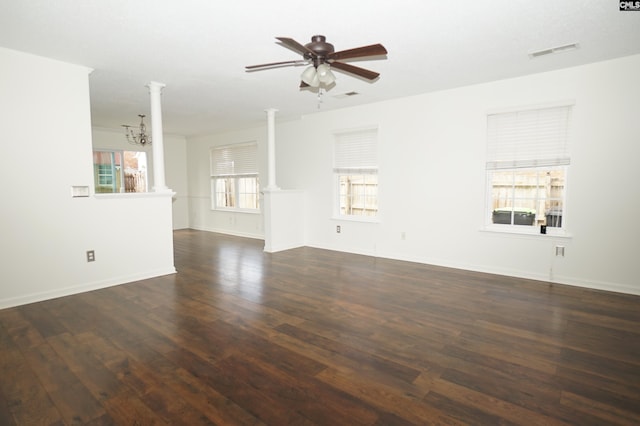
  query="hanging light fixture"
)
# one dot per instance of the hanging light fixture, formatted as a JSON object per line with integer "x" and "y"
{"x": 141, "y": 138}
{"x": 316, "y": 75}
{"x": 310, "y": 77}
{"x": 325, "y": 75}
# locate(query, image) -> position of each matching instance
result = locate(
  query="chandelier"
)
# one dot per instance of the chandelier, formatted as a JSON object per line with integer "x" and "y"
{"x": 140, "y": 138}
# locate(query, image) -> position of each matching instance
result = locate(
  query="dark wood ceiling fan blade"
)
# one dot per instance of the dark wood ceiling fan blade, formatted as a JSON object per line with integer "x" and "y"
{"x": 277, "y": 64}
{"x": 359, "y": 52}
{"x": 369, "y": 75}
{"x": 300, "y": 48}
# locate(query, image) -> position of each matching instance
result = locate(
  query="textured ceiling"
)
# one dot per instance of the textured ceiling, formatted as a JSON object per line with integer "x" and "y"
{"x": 199, "y": 48}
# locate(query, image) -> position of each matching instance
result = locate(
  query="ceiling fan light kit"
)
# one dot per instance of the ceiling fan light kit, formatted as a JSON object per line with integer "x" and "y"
{"x": 322, "y": 57}
{"x": 325, "y": 75}
{"x": 310, "y": 77}
{"x": 313, "y": 76}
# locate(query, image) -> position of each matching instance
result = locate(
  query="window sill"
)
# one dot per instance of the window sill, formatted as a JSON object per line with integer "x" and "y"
{"x": 245, "y": 211}
{"x": 362, "y": 219}
{"x": 123, "y": 195}
{"x": 528, "y": 231}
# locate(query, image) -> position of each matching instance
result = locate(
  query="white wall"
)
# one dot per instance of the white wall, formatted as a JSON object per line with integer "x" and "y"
{"x": 175, "y": 159}
{"x": 175, "y": 171}
{"x": 440, "y": 137}
{"x": 201, "y": 216}
{"x": 46, "y": 141}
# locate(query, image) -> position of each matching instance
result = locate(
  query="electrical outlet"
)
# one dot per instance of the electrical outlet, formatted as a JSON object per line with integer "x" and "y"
{"x": 338, "y": 229}
{"x": 91, "y": 256}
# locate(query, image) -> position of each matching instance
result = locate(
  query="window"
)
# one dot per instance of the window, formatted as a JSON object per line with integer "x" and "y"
{"x": 119, "y": 171}
{"x": 527, "y": 164}
{"x": 355, "y": 167}
{"x": 234, "y": 177}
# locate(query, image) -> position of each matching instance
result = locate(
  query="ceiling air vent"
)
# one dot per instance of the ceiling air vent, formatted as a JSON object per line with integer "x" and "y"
{"x": 346, "y": 95}
{"x": 557, "y": 49}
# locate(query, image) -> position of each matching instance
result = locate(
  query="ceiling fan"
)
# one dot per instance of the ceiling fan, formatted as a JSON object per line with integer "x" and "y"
{"x": 322, "y": 57}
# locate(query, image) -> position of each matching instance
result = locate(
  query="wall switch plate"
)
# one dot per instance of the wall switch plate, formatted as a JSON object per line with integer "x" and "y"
{"x": 79, "y": 191}
{"x": 560, "y": 251}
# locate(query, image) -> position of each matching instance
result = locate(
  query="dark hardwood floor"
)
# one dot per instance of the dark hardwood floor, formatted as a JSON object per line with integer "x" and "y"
{"x": 310, "y": 336}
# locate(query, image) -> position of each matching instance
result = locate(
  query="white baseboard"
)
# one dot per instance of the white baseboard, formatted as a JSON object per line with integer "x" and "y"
{"x": 229, "y": 232}
{"x": 598, "y": 285}
{"x": 282, "y": 247}
{"x": 564, "y": 280}
{"x": 82, "y": 288}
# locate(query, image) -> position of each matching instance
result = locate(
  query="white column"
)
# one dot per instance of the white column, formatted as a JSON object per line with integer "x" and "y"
{"x": 155, "y": 92}
{"x": 271, "y": 149}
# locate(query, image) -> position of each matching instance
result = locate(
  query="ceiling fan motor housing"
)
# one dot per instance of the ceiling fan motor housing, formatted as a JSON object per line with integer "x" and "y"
{"x": 320, "y": 47}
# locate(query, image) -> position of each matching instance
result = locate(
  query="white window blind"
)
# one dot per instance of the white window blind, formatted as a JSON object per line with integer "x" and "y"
{"x": 234, "y": 160}
{"x": 531, "y": 138}
{"x": 356, "y": 152}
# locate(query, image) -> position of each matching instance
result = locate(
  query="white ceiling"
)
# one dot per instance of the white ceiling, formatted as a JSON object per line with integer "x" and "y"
{"x": 199, "y": 48}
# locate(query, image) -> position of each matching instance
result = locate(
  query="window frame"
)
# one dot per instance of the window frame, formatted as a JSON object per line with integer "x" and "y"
{"x": 247, "y": 170}
{"x": 366, "y": 164}
{"x": 533, "y": 229}
{"x": 119, "y": 171}
{"x": 539, "y": 164}
{"x": 357, "y": 217}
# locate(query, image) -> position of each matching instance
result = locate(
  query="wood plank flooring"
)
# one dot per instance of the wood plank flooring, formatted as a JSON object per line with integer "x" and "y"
{"x": 315, "y": 337}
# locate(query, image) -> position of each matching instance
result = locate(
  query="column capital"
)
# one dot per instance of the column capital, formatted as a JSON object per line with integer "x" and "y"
{"x": 155, "y": 85}
{"x": 271, "y": 110}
